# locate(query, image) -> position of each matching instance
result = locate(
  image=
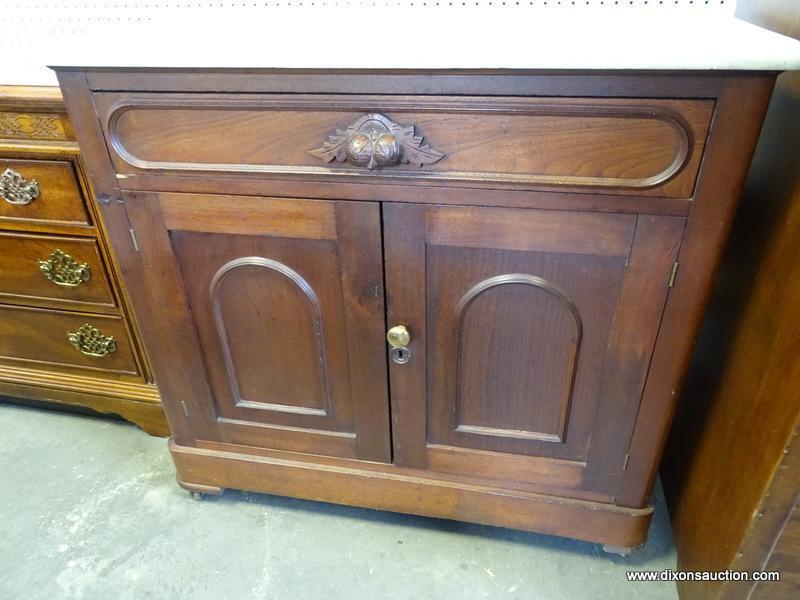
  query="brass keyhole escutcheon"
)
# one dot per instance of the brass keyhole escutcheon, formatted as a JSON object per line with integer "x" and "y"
{"x": 398, "y": 336}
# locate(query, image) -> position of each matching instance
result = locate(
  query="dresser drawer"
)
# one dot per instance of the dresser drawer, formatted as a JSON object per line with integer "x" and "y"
{"x": 40, "y": 192}
{"x": 66, "y": 341}
{"x": 53, "y": 270}
{"x": 641, "y": 146}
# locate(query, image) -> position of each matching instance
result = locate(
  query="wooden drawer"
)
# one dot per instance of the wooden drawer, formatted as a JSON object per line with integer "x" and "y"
{"x": 57, "y": 201}
{"x": 39, "y": 337}
{"x": 640, "y": 146}
{"x": 53, "y": 271}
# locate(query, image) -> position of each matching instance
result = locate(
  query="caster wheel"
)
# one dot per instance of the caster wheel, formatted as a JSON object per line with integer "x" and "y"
{"x": 624, "y": 551}
{"x": 197, "y": 496}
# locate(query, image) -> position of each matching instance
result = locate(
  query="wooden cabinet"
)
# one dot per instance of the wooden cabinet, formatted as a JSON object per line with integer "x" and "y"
{"x": 531, "y": 332}
{"x": 284, "y": 313}
{"x": 65, "y": 332}
{"x": 534, "y": 249}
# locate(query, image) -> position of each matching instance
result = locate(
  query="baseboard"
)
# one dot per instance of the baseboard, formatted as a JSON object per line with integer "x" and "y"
{"x": 405, "y": 491}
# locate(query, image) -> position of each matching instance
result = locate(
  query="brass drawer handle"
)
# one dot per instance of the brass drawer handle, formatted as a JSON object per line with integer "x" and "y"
{"x": 63, "y": 270}
{"x": 374, "y": 141}
{"x": 15, "y": 189}
{"x": 91, "y": 342}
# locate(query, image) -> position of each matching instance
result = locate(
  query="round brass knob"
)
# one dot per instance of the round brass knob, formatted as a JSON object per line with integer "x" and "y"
{"x": 398, "y": 336}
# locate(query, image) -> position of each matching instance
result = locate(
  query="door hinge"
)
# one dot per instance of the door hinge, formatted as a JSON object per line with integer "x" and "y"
{"x": 625, "y": 464}
{"x": 673, "y": 274}
{"x": 133, "y": 239}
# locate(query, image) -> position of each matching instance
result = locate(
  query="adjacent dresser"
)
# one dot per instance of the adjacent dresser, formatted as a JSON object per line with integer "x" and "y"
{"x": 65, "y": 334}
{"x": 469, "y": 295}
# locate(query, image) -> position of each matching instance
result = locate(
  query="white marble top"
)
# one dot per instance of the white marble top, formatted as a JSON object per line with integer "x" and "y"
{"x": 404, "y": 38}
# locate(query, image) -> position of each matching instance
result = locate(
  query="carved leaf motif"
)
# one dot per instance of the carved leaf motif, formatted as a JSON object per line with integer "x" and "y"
{"x": 335, "y": 148}
{"x": 412, "y": 151}
{"x": 419, "y": 154}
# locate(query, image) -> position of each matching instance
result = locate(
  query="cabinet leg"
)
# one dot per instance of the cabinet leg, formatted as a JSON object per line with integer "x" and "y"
{"x": 198, "y": 490}
{"x": 621, "y": 550}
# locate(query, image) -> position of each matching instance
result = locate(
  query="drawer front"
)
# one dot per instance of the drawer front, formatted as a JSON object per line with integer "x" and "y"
{"x": 53, "y": 269}
{"x": 65, "y": 341}
{"x": 644, "y": 146}
{"x": 40, "y": 191}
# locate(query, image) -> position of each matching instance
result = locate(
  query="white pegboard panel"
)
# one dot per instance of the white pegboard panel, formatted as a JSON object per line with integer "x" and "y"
{"x": 63, "y": 16}
{"x": 155, "y": 5}
{"x": 383, "y": 34}
{"x": 26, "y": 23}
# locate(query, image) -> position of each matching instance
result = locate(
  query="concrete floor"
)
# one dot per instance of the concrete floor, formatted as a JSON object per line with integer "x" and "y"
{"x": 89, "y": 509}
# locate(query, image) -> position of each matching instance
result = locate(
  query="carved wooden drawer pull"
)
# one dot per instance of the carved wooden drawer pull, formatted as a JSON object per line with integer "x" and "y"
{"x": 91, "y": 342}
{"x": 15, "y": 189}
{"x": 374, "y": 141}
{"x": 63, "y": 270}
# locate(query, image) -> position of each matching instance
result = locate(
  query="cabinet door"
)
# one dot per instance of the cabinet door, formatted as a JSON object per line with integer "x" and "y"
{"x": 265, "y": 319}
{"x": 531, "y": 334}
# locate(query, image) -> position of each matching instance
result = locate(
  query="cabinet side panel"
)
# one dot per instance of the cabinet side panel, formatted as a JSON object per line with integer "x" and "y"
{"x": 732, "y": 139}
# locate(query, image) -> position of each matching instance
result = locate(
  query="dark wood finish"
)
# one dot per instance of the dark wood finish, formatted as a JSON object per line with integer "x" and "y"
{"x": 274, "y": 318}
{"x": 732, "y": 139}
{"x": 38, "y": 362}
{"x": 374, "y": 141}
{"x": 784, "y": 558}
{"x": 415, "y": 492}
{"x": 520, "y": 311}
{"x": 533, "y": 266}
{"x": 410, "y": 192}
{"x": 407, "y": 81}
{"x": 731, "y": 471}
{"x": 619, "y": 144}
{"x": 628, "y": 362}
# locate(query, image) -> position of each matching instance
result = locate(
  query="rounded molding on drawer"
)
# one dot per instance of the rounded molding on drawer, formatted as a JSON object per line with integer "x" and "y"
{"x": 608, "y": 143}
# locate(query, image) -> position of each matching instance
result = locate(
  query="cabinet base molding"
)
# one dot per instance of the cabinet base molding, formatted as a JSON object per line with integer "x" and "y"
{"x": 135, "y": 402}
{"x": 405, "y": 491}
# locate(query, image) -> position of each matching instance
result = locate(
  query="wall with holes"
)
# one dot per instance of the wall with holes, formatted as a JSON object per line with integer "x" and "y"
{"x": 40, "y": 17}
{"x": 34, "y": 31}
{"x": 26, "y": 22}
